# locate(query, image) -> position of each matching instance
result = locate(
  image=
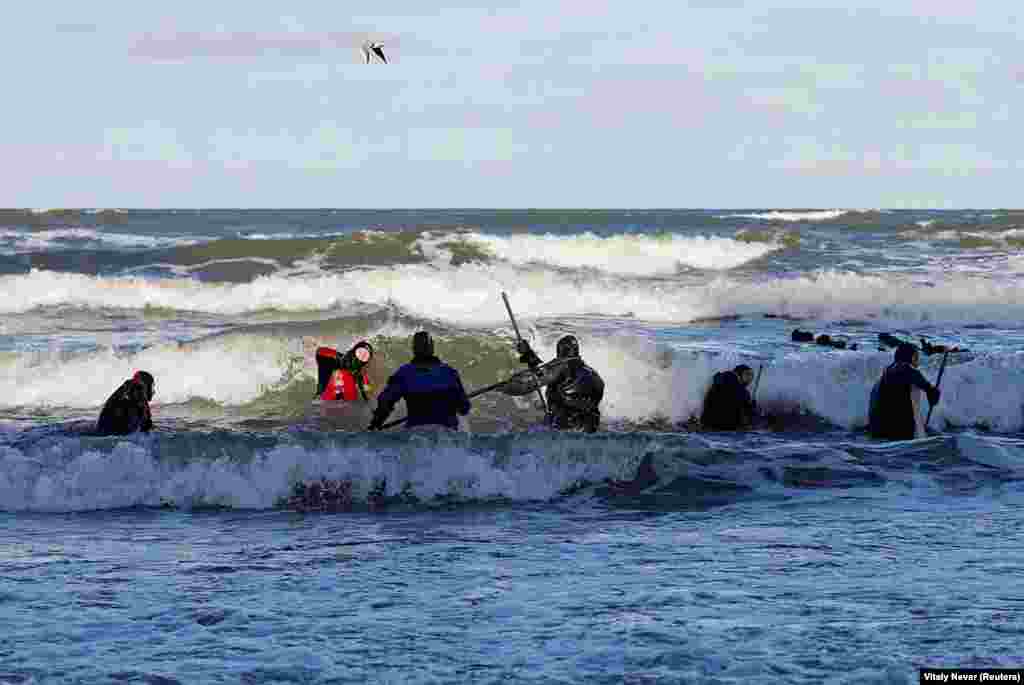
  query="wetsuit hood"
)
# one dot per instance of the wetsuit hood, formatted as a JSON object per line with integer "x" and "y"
{"x": 146, "y": 380}
{"x": 350, "y": 362}
{"x": 567, "y": 346}
{"x": 905, "y": 353}
{"x": 422, "y": 345}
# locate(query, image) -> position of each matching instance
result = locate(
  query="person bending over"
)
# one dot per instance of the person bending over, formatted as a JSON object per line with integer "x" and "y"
{"x": 728, "y": 405}
{"x": 344, "y": 377}
{"x": 127, "y": 409}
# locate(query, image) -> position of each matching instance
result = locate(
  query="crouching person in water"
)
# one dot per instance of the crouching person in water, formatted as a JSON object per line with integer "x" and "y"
{"x": 127, "y": 409}
{"x": 574, "y": 390}
{"x": 892, "y": 414}
{"x": 344, "y": 377}
{"x": 728, "y": 405}
{"x": 432, "y": 390}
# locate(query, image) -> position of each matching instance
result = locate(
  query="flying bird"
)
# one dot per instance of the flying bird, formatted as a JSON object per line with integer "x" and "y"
{"x": 371, "y": 48}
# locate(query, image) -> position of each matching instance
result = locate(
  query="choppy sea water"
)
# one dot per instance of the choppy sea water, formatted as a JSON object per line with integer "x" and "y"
{"x": 798, "y": 553}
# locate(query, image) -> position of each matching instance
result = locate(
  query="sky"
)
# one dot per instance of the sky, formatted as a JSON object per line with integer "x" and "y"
{"x": 561, "y": 103}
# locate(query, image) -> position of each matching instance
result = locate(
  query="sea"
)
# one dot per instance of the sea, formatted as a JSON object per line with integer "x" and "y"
{"x": 799, "y": 552}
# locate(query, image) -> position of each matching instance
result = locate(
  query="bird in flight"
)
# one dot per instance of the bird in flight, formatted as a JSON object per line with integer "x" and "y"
{"x": 371, "y": 48}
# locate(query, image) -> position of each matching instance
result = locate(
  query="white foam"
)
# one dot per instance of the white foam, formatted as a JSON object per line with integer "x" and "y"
{"x": 229, "y": 369}
{"x": 469, "y": 295}
{"x": 298, "y": 236}
{"x": 988, "y": 390}
{"x": 629, "y": 255}
{"x": 891, "y": 299}
{"x": 68, "y": 475}
{"x": 61, "y": 474}
{"x": 819, "y": 215}
{"x": 74, "y": 238}
{"x": 643, "y": 380}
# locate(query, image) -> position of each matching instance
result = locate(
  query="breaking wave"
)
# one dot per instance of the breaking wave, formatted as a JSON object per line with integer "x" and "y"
{"x": 792, "y": 216}
{"x": 272, "y": 368}
{"x": 58, "y": 473}
{"x": 467, "y": 295}
{"x": 627, "y": 255}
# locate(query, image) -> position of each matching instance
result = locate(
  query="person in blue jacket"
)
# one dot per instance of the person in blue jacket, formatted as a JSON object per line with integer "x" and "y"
{"x": 432, "y": 390}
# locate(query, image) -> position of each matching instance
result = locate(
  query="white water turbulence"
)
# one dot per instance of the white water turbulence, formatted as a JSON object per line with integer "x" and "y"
{"x": 795, "y": 216}
{"x": 644, "y": 379}
{"x": 465, "y": 294}
{"x": 625, "y": 255}
{"x": 231, "y": 470}
{"x": 20, "y": 241}
{"x": 227, "y": 370}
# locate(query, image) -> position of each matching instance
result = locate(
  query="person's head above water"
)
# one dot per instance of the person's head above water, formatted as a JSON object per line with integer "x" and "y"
{"x": 744, "y": 373}
{"x": 907, "y": 354}
{"x": 422, "y": 345}
{"x": 568, "y": 346}
{"x": 146, "y": 380}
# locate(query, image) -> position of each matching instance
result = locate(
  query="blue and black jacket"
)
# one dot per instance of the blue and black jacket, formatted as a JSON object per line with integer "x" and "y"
{"x": 432, "y": 391}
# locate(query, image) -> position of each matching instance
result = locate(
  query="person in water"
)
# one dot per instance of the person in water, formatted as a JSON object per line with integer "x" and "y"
{"x": 127, "y": 409}
{"x": 892, "y": 415}
{"x": 728, "y": 405}
{"x": 344, "y": 377}
{"x": 574, "y": 390}
{"x": 432, "y": 390}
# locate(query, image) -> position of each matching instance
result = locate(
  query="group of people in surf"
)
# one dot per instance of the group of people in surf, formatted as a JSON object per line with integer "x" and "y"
{"x": 434, "y": 396}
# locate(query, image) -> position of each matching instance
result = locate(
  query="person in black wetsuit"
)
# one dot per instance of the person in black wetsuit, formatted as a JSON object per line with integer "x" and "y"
{"x": 728, "y": 406}
{"x": 574, "y": 390}
{"x": 432, "y": 390}
{"x": 127, "y": 409}
{"x": 891, "y": 414}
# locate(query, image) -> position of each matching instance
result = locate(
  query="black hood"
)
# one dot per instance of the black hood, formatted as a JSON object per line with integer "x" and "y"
{"x": 350, "y": 362}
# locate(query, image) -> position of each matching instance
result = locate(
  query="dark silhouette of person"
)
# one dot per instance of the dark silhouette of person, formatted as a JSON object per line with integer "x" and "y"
{"x": 127, "y": 409}
{"x": 574, "y": 389}
{"x": 892, "y": 414}
{"x": 728, "y": 405}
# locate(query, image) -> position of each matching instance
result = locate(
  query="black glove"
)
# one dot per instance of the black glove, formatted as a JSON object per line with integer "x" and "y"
{"x": 933, "y": 396}
{"x": 526, "y": 354}
{"x": 376, "y": 424}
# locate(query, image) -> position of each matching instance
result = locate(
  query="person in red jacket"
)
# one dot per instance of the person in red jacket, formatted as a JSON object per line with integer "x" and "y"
{"x": 344, "y": 377}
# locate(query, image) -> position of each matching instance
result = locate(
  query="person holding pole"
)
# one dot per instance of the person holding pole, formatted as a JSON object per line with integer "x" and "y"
{"x": 892, "y": 414}
{"x": 432, "y": 390}
{"x": 574, "y": 390}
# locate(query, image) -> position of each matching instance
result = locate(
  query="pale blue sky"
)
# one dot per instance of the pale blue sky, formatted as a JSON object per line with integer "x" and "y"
{"x": 904, "y": 104}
